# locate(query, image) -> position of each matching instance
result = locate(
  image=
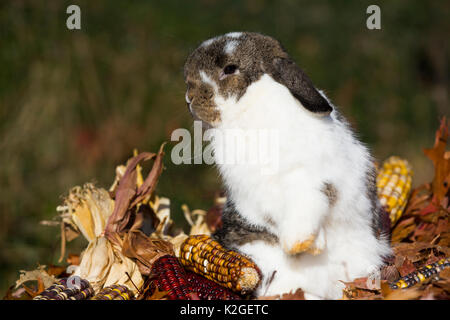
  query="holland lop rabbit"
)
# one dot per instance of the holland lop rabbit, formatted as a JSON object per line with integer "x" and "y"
{"x": 315, "y": 221}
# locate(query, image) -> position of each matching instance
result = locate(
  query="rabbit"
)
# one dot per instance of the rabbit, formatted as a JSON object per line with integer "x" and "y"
{"x": 313, "y": 223}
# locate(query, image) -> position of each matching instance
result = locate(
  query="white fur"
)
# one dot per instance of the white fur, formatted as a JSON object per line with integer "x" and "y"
{"x": 236, "y": 35}
{"x": 207, "y": 79}
{"x": 313, "y": 150}
{"x": 208, "y": 42}
{"x": 230, "y": 46}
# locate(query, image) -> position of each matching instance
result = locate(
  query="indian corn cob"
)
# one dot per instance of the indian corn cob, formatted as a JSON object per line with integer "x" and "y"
{"x": 209, "y": 290}
{"x": 393, "y": 185}
{"x": 421, "y": 275}
{"x": 207, "y": 257}
{"x": 62, "y": 290}
{"x": 114, "y": 292}
{"x": 170, "y": 276}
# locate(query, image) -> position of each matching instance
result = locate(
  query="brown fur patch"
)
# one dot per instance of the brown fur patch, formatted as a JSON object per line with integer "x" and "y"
{"x": 331, "y": 192}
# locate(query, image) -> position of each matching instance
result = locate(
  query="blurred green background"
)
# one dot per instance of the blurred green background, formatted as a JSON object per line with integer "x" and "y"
{"x": 74, "y": 104}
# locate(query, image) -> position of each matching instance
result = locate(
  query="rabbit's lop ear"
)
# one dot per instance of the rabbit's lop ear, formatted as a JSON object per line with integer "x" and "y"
{"x": 286, "y": 72}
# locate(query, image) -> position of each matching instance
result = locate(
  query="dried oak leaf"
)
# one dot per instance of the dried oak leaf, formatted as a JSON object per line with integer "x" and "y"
{"x": 441, "y": 161}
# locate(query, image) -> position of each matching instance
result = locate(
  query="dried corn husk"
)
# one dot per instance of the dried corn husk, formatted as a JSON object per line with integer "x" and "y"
{"x": 103, "y": 265}
{"x": 87, "y": 209}
{"x": 197, "y": 221}
{"x": 36, "y": 274}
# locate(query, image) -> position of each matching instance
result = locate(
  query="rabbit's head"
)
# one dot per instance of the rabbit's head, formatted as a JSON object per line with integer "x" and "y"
{"x": 224, "y": 67}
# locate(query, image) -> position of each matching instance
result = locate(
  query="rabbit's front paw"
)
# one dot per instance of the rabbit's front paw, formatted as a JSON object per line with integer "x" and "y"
{"x": 299, "y": 246}
{"x": 319, "y": 243}
{"x": 313, "y": 244}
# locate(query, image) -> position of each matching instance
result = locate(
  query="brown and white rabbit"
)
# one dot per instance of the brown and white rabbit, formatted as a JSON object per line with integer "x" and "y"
{"x": 314, "y": 221}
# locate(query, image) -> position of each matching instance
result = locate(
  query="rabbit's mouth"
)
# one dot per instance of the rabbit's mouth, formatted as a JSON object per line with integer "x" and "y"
{"x": 209, "y": 119}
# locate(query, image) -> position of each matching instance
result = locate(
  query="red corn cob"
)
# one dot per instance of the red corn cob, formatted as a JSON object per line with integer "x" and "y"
{"x": 171, "y": 277}
{"x": 209, "y": 290}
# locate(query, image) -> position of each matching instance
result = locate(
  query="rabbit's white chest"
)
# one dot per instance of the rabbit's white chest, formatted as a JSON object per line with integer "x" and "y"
{"x": 307, "y": 154}
{"x": 268, "y": 123}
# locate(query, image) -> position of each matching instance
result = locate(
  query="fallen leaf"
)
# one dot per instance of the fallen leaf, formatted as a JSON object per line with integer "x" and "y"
{"x": 403, "y": 229}
{"x": 297, "y": 295}
{"x": 441, "y": 162}
{"x": 406, "y": 268}
{"x": 34, "y": 275}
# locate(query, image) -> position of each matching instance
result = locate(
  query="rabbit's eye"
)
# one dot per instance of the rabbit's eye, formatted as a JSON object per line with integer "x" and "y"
{"x": 230, "y": 69}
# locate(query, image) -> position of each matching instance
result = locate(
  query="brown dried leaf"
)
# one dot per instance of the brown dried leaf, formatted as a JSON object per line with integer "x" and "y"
{"x": 403, "y": 229}
{"x": 406, "y": 268}
{"x": 150, "y": 182}
{"x": 441, "y": 161}
{"x": 157, "y": 295}
{"x": 127, "y": 195}
{"x": 214, "y": 214}
{"x": 297, "y": 295}
{"x": 144, "y": 250}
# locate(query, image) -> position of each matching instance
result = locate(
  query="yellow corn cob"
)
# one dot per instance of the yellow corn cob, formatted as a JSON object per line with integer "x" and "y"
{"x": 208, "y": 258}
{"x": 393, "y": 185}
